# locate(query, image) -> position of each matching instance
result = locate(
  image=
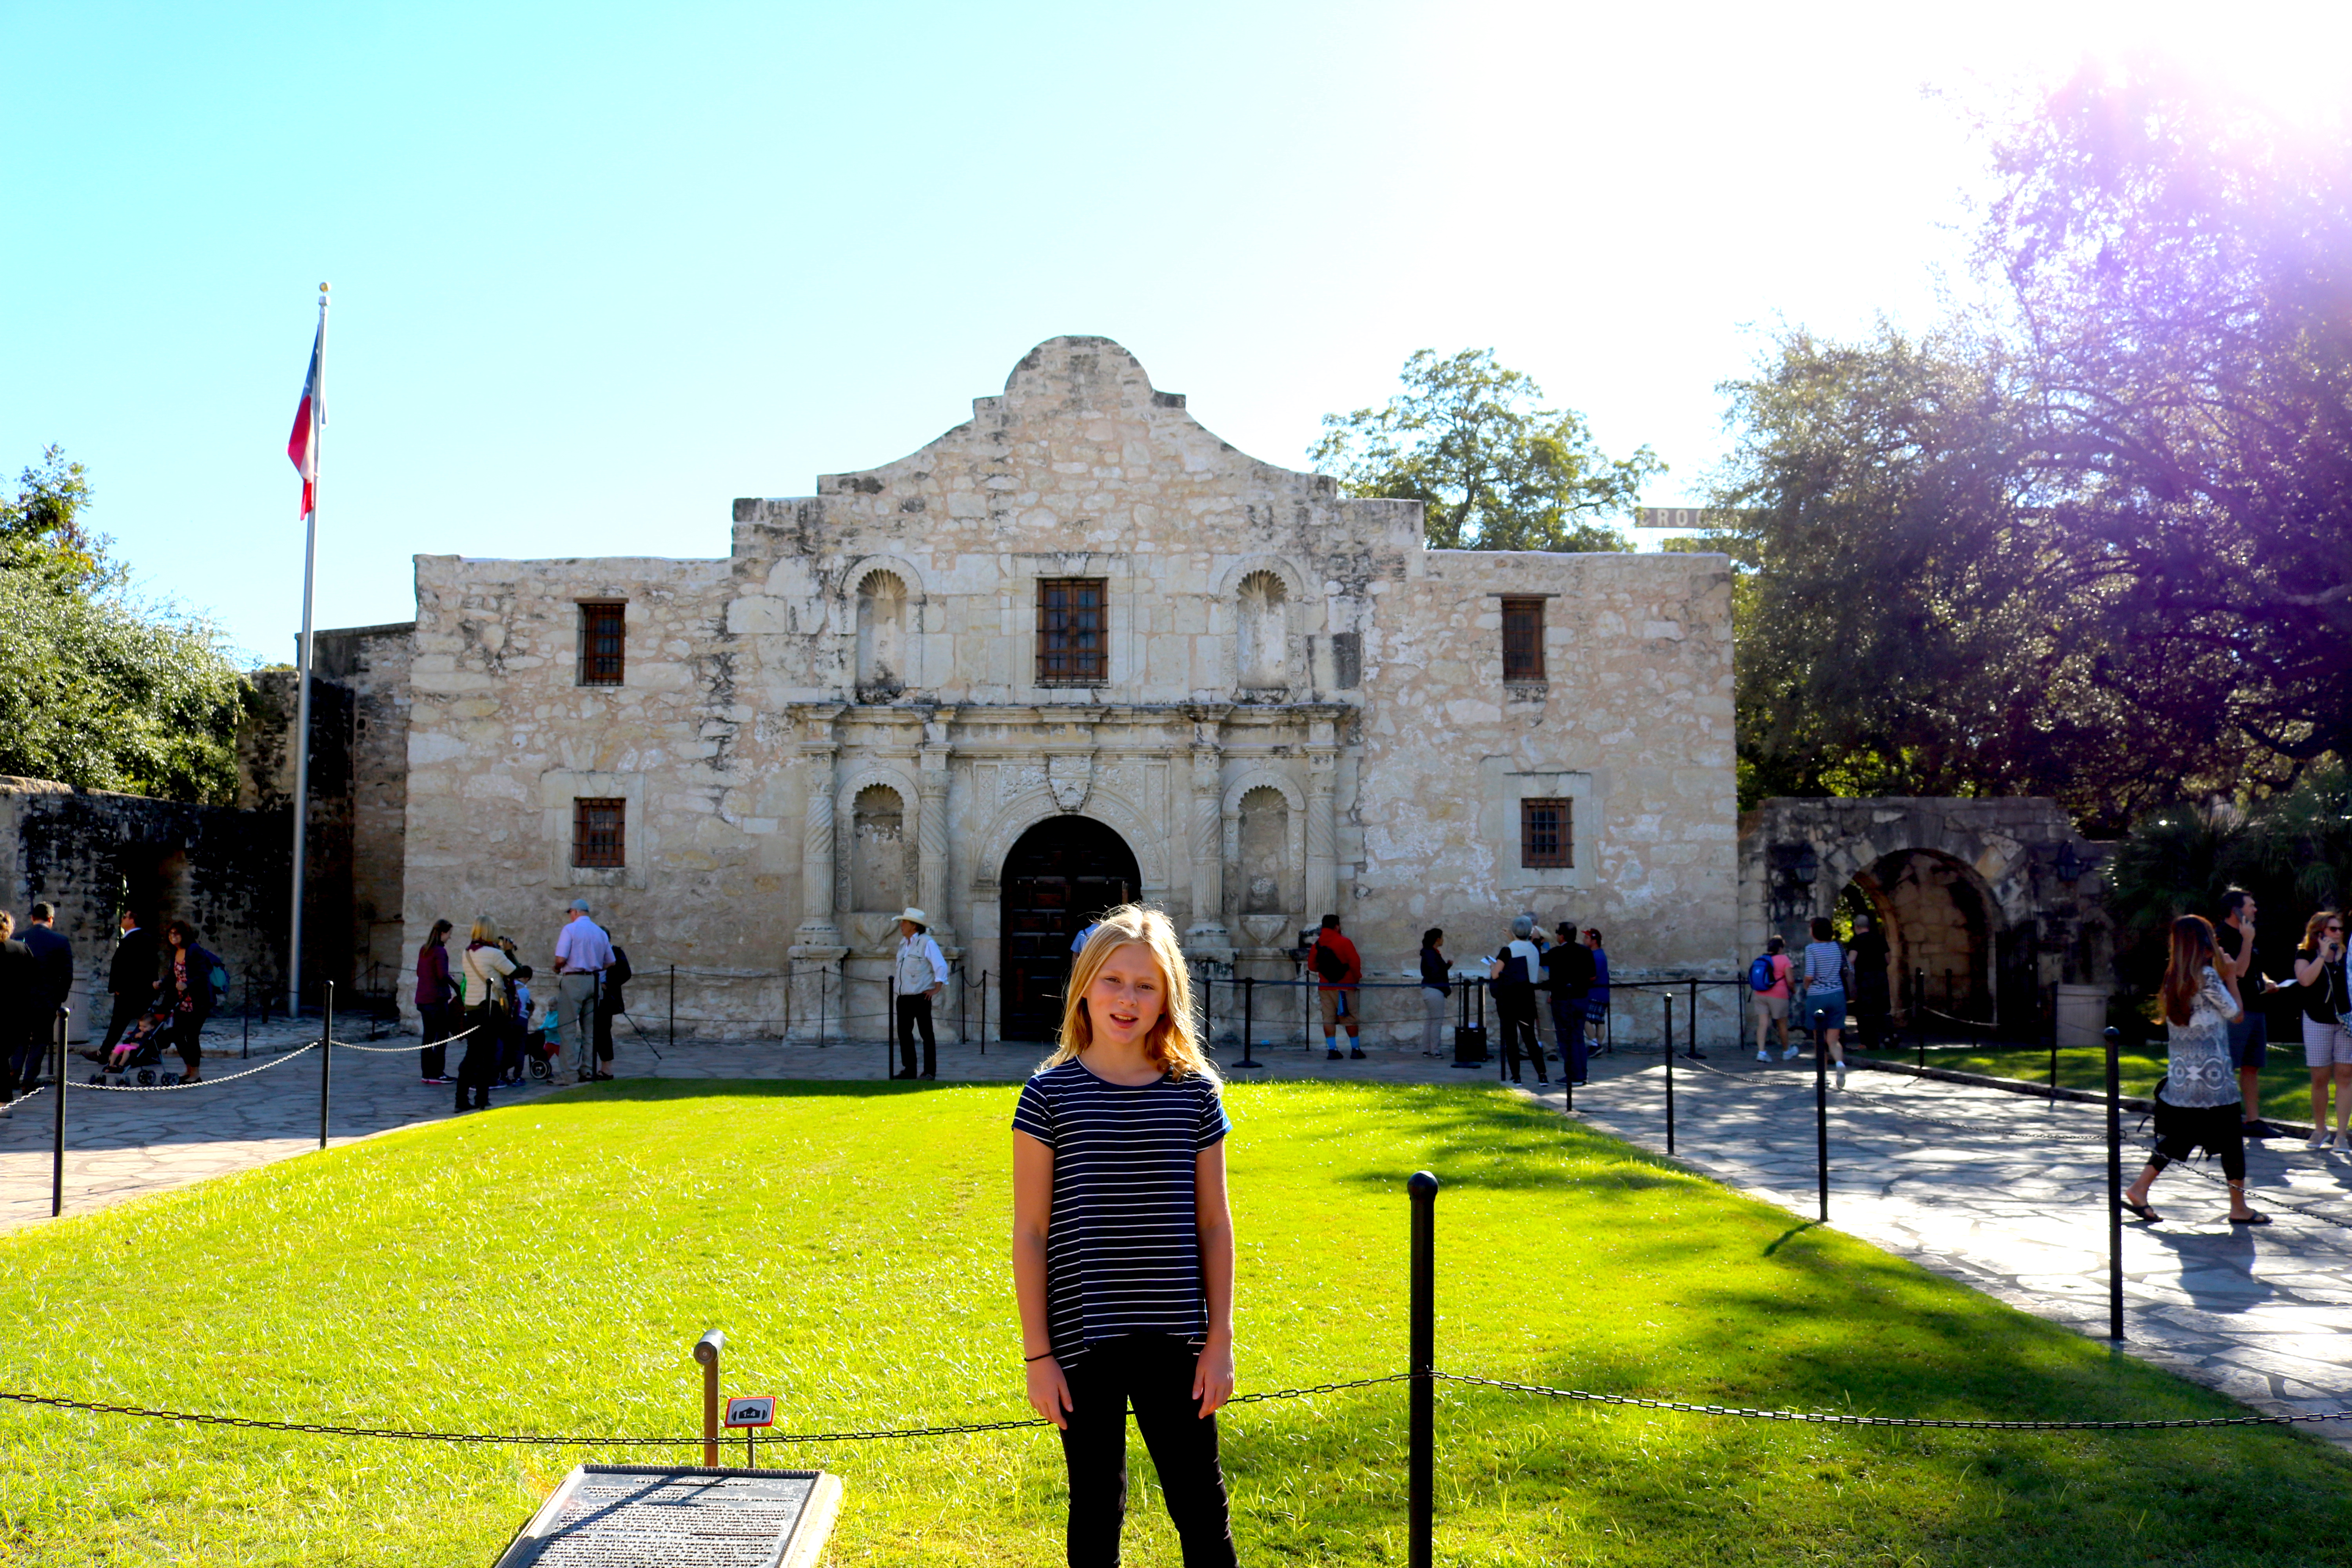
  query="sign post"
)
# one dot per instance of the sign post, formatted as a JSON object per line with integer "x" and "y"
{"x": 748, "y": 1413}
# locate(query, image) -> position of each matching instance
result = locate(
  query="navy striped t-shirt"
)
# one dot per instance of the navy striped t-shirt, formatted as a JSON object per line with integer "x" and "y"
{"x": 1123, "y": 1247}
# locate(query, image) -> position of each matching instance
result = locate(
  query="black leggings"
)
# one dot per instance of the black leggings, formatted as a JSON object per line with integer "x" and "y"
{"x": 2180, "y": 1129}
{"x": 1153, "y": 1373}
{"x": 1518, "y": 1010}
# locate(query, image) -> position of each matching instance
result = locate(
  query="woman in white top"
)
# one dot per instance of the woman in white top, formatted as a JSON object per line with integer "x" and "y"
{"x": 1827, "y": 969}
{"x": 2197, "y": 1103}
{"x": 482, "y": 971}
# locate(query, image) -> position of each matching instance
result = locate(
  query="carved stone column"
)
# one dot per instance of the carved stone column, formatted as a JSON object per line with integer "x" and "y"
{"x": 931, "y": 826}
{"x": 817, "y": 949}
{"x": 1322, "y": 825}
{"x": 1207, "y": 938}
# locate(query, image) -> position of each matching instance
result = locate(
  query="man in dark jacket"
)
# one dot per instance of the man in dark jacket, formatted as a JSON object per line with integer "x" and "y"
{"x": 53, "y": 962}
{"x": 20, "y": 998}
{"x": 130, "y": 978}
{"x": 1568, "y": 973}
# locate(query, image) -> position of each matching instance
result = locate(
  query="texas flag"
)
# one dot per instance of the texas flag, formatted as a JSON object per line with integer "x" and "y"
{"x": 302, "y": 446}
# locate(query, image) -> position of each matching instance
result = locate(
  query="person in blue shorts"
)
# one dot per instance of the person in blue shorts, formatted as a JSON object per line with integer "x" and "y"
{"x": 1123, "y": 1242}
{"x": 1828, "y": 969}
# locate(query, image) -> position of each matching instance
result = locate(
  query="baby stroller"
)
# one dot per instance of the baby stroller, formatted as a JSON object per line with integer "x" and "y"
{"x": 136, "y": 1060}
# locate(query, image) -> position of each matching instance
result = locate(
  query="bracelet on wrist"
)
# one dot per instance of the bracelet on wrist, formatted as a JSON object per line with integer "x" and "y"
{"x": 1031, "y": 1359}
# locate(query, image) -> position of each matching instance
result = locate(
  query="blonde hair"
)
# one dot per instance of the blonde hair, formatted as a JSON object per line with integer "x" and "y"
{"x": 484, "y": 930}
{"x": 1172, "y": 1046}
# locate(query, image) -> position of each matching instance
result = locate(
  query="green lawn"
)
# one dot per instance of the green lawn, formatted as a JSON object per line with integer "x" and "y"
{"x": 2285, "y": 1081}
{"x": 545, "y": 1267}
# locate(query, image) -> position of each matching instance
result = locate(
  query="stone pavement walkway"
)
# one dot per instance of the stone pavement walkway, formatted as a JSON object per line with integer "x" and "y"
{"x": 2007, "y": 1193}
{"x": 2002, "y": 1191}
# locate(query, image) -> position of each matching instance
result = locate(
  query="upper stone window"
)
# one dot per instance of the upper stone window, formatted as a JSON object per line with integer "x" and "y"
{"x": 1523, "y": 639}
{"x": 1263, "y": 632}
{"x": 604, "y": 644}
{"x": 881, "y": 636}
{"x": 1073, "y": 631}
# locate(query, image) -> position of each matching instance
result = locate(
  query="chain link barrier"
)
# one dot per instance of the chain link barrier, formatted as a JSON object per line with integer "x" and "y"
{"x": 969, "y": 1428}
{"x": 200, "y": 1083}
{"x": 328, "y": 1430}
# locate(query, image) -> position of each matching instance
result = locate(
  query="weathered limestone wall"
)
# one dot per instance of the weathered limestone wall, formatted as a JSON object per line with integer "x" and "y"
{"x": 2019, "y": 861}
{"x": 85, "y": 851}
{"x": 1303, "y": 711}
{"x": 372, "y": 664}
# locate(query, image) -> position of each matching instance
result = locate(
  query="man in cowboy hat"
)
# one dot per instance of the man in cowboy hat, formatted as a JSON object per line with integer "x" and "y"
{"x": 920, "y": 974}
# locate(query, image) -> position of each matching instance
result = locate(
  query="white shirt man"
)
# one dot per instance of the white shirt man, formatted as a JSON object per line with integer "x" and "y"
{"x": 582, "y": 953}
{"x": 918, "y": 974}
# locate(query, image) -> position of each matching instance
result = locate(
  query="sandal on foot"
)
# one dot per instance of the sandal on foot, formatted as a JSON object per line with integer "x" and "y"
{"x": 2256, "y": 1217}
{"x": 2142, "y": 1210}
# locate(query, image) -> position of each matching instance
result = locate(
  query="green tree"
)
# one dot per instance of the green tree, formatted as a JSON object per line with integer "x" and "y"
{"x": 1492, "y": 469}
{"x": 98, "y": 689}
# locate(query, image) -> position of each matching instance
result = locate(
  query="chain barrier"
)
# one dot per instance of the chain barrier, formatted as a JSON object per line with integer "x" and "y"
{"x": 328, "y": 1430}
{"x": 421, "y": 1045}
{"x": 25, "y": 1098}
{"x": 1832, "y": 1418}
{"x": 200, "y": 1083}
{"x": 968, "y": 1428}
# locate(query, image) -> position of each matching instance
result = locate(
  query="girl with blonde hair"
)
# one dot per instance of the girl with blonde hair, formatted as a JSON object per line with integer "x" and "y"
{"x": 484, "y": 969}
{"x": 1123, "y": 1243}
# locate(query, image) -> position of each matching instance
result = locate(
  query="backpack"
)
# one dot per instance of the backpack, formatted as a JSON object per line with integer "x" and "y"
{"x": 1760, "y": 973}
{"x": 1328, "y": 963}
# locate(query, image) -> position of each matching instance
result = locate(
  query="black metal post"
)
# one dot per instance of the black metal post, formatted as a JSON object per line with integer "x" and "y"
{"x": 1691, "y": 1027}
{"x": 327, "y": 1059}
{"x": 2115, "y": 1189}
{"x": 1919, "y": 1012}
{"x": 673, "y": 1005}
{"x": 57, "y": 1155}
{"x": 984, "y": 1012}
{"x": 1249, "y": 1022}
{"x": 2053, "y": 1046}
{"x": 1666, "y": 1049}
{"x": 1421, "y": 1463}
{"x": 1822, "y": 1115}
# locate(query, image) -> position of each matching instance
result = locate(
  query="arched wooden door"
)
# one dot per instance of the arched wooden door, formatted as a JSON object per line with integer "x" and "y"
{"x": 1061, "y": 874}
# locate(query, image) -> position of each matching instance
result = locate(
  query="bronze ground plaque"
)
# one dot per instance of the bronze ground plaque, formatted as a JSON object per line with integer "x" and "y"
{"x": 679, "y": 1516}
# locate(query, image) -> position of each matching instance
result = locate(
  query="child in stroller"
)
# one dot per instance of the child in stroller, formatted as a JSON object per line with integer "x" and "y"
{"x": 135, "y": 1058}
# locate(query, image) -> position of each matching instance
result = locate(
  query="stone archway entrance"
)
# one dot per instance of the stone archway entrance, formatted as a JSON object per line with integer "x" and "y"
{"x": 1058, "y": 876}
{"x": 1941, "y": 930}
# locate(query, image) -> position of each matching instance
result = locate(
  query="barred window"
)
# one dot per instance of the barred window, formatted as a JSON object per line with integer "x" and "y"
{"x": 604, "y": 644}
{"x": 1546, "y": 840}
{"x": 1523, "y": 626}
{"x": 1073, "y": 633}
{"x": 599, "y": 833}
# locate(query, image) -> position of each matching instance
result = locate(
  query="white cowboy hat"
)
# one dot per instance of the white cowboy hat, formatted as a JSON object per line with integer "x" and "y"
{"x": 916, "y": 915}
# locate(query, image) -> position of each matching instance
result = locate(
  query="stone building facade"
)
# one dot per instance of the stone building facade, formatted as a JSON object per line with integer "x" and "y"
{"x": 1075, "y": 649}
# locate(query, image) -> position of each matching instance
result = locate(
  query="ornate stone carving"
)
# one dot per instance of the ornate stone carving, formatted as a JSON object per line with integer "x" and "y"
{"x": 1070, "y": 778}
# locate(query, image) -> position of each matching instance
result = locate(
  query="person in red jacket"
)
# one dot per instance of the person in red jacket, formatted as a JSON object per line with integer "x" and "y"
{"x": 1336, "y": 963}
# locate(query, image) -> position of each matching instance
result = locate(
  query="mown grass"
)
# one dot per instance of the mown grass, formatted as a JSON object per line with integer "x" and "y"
{"x": 2285, "y": 1081}
{"x": 546, "y": 1266}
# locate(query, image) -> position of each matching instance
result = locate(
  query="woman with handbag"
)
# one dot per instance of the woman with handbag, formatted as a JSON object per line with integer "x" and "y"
{"x": 2319, "y": 985}
{"x": 2197, "y": 1103}
{"x": 483, "y": 972}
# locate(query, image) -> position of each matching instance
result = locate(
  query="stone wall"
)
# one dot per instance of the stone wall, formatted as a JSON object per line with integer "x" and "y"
{"x": 1303, "y": 711}
{"x": 88, "y": 852}
{"x": 2004, "y": 893}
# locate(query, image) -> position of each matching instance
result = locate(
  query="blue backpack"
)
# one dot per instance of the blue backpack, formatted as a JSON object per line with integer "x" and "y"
{"x": 1760, "y": 975}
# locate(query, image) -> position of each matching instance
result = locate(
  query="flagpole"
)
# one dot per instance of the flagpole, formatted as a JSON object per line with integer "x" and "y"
{"x": 302, "y": 680}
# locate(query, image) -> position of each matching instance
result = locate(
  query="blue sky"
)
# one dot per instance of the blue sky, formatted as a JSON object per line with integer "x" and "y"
{"x": 597, "y": 270}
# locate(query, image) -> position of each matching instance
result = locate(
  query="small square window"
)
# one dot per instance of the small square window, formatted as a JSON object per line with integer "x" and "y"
{"x": 1073, "y": 632}
{"x": 600, "y": 834}
{"x": 604, "y": 644}
{"x": 1546, "y": 835}
{"x": 1523, "y": 639}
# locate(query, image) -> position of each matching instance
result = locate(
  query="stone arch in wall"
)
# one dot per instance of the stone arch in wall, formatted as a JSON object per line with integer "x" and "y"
{"x": 1056, "y": 878}
{"x": 1026, "y": 809}
{"x": 1266, "y": 855}
{"x": 1998, "y": 894}
{"x": 1263, "y": 613}
{"x": 881, "y": 619}
{"x": 881, "y": 844}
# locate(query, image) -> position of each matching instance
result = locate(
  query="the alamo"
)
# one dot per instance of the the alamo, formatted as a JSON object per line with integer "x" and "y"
{"x": 1076, "y": 649}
